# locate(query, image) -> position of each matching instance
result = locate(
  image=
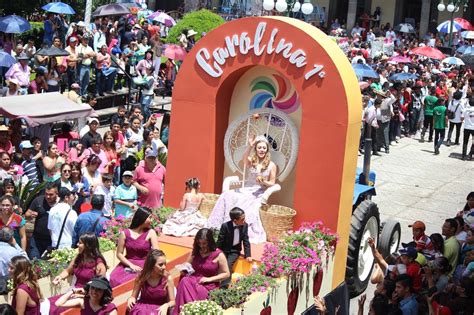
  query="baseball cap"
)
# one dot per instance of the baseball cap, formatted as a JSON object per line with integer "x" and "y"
{"x": 150, "y": 153}
{"x": 418, "y": 225}
{"x": 409, "y": 251}
{"x": 99, "y": 283}
{"x": 72, "y": 39}
{"x": 26, "y": 144}
{"x": 6, "y": 234}
{"x": 127, "y": 173}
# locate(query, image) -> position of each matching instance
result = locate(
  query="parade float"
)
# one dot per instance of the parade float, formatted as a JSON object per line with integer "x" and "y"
{"x": 284, "y": 79}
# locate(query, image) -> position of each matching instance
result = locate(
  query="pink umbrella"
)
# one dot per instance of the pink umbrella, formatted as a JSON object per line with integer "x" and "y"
{"x": 175, "y": 52}
{"x": 400, "y": 59}
{"x": 465, "y": 24}
{"x": 429, "y": 52}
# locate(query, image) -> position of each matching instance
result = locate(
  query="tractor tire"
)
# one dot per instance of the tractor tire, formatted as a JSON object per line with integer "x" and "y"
{"x": 389, "y": 238}
{"x": 365, "y": 223}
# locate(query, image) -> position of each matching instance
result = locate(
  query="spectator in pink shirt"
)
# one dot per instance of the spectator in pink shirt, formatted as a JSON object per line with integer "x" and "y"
{"x": 5, "y": 143}
{"x": 21, "y": 72}
{"x": 148, "y": 179}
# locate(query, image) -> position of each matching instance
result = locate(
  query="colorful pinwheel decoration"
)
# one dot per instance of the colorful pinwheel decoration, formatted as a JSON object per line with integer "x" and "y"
{"x": 274, "y": 92}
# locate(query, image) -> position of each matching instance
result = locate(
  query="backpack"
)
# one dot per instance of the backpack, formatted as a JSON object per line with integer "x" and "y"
{"x": 451, "y": 114}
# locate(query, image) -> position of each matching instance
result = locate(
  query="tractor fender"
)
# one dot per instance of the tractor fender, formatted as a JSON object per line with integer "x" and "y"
{"x": 360, "y": 189}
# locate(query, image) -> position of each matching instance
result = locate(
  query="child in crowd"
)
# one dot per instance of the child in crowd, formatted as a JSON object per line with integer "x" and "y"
{"x": 232, "y": 235}
{"x": 108, "y": 191}
{"x": 188, "y": 220}
{"x": 422, "y": 241}
{"x": 125, "y": 196}
{"x": 120, "y": 115}
{"x": 440, "y": 121}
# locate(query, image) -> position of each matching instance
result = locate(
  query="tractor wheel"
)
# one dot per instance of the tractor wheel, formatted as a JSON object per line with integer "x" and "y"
{"x": 389, "y": 238}
{"x": 360, "y": 261}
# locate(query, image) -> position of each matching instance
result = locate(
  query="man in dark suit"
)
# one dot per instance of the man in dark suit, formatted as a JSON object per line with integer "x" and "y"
{"x": 232, "y": 235}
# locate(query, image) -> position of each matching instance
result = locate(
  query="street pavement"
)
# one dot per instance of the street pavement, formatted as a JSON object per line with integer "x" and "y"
{"x": 414, "y": 184}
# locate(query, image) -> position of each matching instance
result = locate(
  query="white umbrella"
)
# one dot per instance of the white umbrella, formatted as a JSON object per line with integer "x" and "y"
{"x": 405, "y": 28}
{"x": 468, "y": 34}
{"x": 453, "y": 61}
{"x": 445, "y": 27}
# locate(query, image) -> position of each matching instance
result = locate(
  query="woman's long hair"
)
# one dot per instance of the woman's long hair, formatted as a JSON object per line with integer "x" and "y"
{"x": 76, "y": 166}
{"x": 266, "y": 160}
{"x": 139, "y": 217}
{"x": 204, "y": 234}
{"x": 91, "y": 249}
{"x": 109, "y": 134}
{"x": 149, "y": 265}
{"x": 23, "y": 273}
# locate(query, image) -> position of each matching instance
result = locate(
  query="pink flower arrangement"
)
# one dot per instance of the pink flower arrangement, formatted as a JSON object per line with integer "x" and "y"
{"x": 299, "y": 251}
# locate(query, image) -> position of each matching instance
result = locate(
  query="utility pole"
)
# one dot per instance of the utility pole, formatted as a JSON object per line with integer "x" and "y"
{"x": 88, "y": 12}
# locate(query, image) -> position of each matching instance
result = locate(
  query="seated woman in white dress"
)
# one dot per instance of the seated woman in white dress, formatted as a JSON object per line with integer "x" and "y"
{"x": 260, "y": 174}
{"x": 187, "y": 220}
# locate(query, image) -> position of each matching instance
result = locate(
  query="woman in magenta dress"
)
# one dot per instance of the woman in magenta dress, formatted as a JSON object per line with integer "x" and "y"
{"x": 27, "y": 294}
{"x": 88, "y": 264}
{"x": 137, "y": 241}
{"x": 94, "y": 299}
{"x": 155, "y": 287}
{"x": 210, "y": 268}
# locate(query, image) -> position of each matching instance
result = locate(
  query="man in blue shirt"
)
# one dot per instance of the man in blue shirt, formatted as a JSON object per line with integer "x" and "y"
{"x": 9, "y": 249}
{"x": 91, "y": 221}
{"x": 403, "y": 289}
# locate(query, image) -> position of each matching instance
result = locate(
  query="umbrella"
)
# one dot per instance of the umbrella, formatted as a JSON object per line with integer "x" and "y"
{"x": 445, "y": 27}
{"x": 128, "y": 3}
{"x": 14, "y": 24}
{"x": 111, "y": 9}
{"x": 468, "y": 34}
{"x": 465, "y": 24}
{"x": 52, "y": 51}
{"x": 469, "y": 51}
{"x": 6, "y": 60}
{"x": 59, "y": 7}
{"x": 400, "y": 59}
{"x": 363, "y": 85}
{"x": 461, "y": 49}
{"x": 453, "y": 61}
{"x": 364, "y": 71}
{"x": 403, "y": 76}
{"x": 429, "y": 52}
{"x": 468, "y": 59}
{"x": 163, "y": 18}
{"x": 175, "y": 52}
{"x": 405, "y": 28}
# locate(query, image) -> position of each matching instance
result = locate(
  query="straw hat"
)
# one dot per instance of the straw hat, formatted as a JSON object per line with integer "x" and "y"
{"x": 14, "y": 81}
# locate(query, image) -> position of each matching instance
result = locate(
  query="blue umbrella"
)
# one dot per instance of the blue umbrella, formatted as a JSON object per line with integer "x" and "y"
{"x": 403, "y": 76}
{"x": 364, "y": 71}
{"x": 445, "y": 27}
{"x": 468, "y": 51}
{"x": 6, "y": 60}
{"x": 58, "y": 7}
{"x": 461, "y": 49}
{"x": 14, "y": 24}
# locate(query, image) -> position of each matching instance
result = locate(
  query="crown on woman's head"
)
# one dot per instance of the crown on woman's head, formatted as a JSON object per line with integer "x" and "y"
{"x": 261, "y": 138}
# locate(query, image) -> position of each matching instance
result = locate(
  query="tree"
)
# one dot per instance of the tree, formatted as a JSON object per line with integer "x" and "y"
{"x": 200, "y": 21}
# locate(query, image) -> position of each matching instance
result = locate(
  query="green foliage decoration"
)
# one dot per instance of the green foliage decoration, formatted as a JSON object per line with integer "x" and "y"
{"x": 200, "y": 21}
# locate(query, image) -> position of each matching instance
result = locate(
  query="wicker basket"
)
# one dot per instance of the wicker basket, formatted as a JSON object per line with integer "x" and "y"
{"x": 208, "y": 204}
{"x": 276, "y": 220}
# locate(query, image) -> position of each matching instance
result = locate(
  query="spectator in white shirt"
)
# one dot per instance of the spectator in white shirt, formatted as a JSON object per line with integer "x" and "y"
{"x": 467, "y": 117}
{"x": 100, "y": 38}
{"x": 62, "y": 214}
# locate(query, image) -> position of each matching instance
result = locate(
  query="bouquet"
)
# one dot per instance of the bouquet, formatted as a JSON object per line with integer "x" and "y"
{"x": 201, "y": 307}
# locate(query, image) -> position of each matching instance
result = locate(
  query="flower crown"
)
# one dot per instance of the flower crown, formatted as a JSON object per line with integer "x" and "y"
{"x": 261, "y": 138}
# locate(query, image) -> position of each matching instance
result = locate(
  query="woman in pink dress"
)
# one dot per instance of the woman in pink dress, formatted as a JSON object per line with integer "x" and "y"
{"x": 260, "y": 174}
{"x": 210, "y": 268}
{"x": 27, "y": 294}
{"x": 137, "y": 241}
{"x": 94, "y": 299}
{"x": 155, "y": 287}
{"x": 88, "y": 264}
